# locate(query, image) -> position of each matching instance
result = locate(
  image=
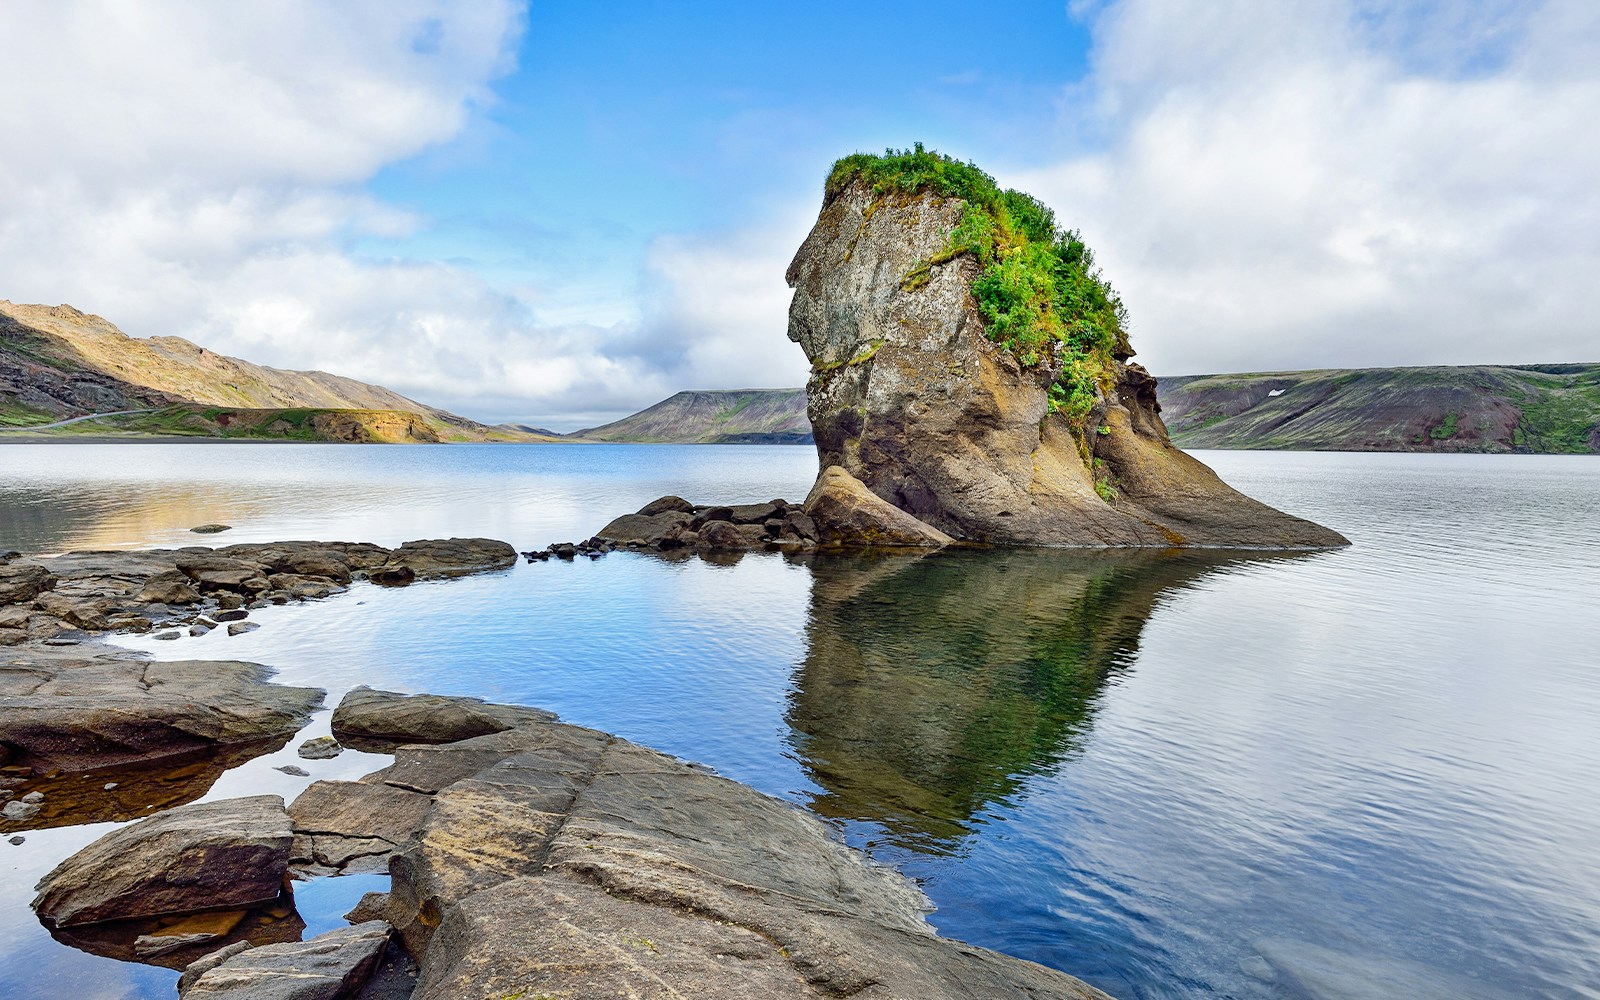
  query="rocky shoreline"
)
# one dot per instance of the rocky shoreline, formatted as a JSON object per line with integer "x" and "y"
{"x": 527, "y": 857}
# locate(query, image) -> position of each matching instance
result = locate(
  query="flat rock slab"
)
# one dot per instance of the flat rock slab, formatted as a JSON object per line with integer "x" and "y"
{"x": 556, "y": 860}
{"x": 332, "y": 966}
{"x": 372, "y": 720}
{"x": 437, "y": 558}
{"x": 63, "y": 710}
{"x": 204, "y": 856}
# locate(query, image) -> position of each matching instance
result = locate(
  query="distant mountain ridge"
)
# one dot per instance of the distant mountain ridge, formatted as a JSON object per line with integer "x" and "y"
{"x": 57, "y": 362}
{"x": 1549, "y": 409}
{"x": 724, "y": 416}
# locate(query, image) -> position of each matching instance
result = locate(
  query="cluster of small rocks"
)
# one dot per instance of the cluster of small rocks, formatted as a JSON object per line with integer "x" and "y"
{"x": 674, "y": 525}
{"x": 200, "y": 589}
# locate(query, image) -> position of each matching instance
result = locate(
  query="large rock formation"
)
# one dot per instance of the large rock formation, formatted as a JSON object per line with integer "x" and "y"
{"x": 909, "y": 395}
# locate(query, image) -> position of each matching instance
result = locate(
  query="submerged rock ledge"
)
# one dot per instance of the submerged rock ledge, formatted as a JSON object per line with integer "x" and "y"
{"x": 550, "y": 859}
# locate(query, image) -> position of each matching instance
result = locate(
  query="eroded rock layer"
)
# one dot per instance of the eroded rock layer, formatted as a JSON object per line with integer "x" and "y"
{"x": 910, "y": 396}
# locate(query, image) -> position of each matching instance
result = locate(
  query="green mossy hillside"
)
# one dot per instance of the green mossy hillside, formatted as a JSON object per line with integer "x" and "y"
{"x": 1038, "y": 289}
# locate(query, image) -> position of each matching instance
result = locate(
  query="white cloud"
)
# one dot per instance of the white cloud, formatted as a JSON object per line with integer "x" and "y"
{"x": 196, "y": 170}
{"x": 1338, "y": 184}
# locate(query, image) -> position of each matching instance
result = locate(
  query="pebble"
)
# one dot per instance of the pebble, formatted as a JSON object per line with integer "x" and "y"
{"x": 167, "y": 636}
{"x": 33, "y": 798}
{"x": 298, "y": 772}
{"x": 108, "y": 786}
{"x": 240, "y": 628}
{"x": 18, "y": 839}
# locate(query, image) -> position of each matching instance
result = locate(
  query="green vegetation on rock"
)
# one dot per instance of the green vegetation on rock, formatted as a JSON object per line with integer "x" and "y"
{"x": 1038, "y": 289}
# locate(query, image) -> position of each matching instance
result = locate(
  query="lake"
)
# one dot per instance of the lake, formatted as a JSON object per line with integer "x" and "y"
{"x": 1372, "y": 772}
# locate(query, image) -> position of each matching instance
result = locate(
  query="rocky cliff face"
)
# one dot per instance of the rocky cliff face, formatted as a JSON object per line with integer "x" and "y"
{"x": 909, "y": 395}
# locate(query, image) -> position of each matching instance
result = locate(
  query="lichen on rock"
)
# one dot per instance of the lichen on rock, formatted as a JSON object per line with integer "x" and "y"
{"x": 970, "y": 367}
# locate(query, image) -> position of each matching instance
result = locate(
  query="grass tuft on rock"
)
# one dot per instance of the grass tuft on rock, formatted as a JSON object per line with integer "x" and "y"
{"x": 1039, "y": 292}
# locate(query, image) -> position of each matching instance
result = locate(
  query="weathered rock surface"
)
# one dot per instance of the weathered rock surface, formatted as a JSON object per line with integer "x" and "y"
{"x": 909, "y": 396}
{"x": 80, "y": 708}
{"x": 331, "y": 966}
{"x": 204, "y": 856}
{"x": 556, "y": 860}
{"x": 353, "y": 826}
{"x": 381, "y": 720}
{"x": 848, "y": 515}
{"x": 433, "y": 559}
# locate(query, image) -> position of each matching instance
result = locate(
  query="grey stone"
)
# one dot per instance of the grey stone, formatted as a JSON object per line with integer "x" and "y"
{"x": 290, "y": 769}
{"x": 240, "y": 628}
{"x": 203, "y": 856}
{"x": 331, "y": 966}
{"x": 210, "y": 529}
{"x": 320, "y": 748}
{"x": 201, "y": 966}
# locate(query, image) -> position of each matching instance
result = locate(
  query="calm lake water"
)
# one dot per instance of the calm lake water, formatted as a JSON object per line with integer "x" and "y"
{"x": 1366, "y": 773}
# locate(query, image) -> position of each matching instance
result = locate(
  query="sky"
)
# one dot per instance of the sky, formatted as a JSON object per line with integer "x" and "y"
{"x": 559, "y": 213}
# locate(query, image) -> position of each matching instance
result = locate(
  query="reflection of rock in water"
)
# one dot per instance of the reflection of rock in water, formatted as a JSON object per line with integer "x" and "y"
{"x": 175, "y": 942}
{"x": 933, "y": 686}
{"x": 81, "y": 797}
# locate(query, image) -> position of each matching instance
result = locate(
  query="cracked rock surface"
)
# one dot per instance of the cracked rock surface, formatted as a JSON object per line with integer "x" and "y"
{"x": 556, "y": 860}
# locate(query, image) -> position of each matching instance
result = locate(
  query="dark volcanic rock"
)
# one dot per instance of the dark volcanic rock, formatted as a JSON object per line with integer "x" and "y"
{"x": 908, "y": 395}
{"x": 205, "y": 856}
{"x": 643, "y": 529}
{"x": 381, "y": 720}
{"x": 331, "y": 966}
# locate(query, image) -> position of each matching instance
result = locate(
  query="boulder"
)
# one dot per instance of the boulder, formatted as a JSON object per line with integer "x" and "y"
{"x": 213, "y": 571}
{"x": 667, "y": 504}
{"x": 22, "y": 582}
{"x": 437, "y": 558}
{"x": 331, "y": 966}
{"x": 381, "y": 720}
{"x": 909, "y": 395}
{"x": 169, "y": 587}
{"x": 721, "y": 536}
{"x": 846, "y": 514}
{"x": 340, "y": 824}
{"x": 319, "y": 748}
{"x": 209, "y": 855}
{"x": 644, "y": 529}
